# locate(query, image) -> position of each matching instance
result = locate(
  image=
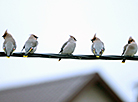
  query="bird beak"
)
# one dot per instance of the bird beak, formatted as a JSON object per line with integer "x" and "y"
{"x": 3, "y": 36}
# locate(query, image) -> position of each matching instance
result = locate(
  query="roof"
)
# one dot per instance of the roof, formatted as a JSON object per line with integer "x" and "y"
{"x": 56, "y": 91}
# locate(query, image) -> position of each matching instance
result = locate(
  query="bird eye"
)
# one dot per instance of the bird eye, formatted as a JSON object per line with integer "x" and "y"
{"x": 4, "y": 36}
{"x": 35, "y": 36}
{"x": 130, "y": 41}
{"x": 75, "y": 39}
{"x": 93, "y": 39}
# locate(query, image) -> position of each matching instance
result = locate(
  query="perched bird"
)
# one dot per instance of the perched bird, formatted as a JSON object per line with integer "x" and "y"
{"x": 130, "y": 48}
{"x": 30, "y": 45}
{"x": 68, "y": 47}
{"x": 97, "y": 47}
{"x": 9, "y": 44}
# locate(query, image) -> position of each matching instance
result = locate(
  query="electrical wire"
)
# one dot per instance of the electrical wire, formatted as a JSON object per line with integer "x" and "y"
{"x": 79, "y": 57}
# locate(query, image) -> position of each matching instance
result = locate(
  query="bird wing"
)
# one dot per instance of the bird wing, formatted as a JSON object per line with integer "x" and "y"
{"x": 34, "y": 43}
{"x": 31, "y": 43}
{"x": 63, "y": 46}
{"x": 124, "y": 49}
{"x": 23, "y": 48}
{"x": 4, "y": 44}
{"x": 103, "y": 46}
{"x": 93, "y": 48}
{"x": 14, "y": 43}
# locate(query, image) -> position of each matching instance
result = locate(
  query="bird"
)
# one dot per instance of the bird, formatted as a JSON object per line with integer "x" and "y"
{"x": 68, "y": 47}
{"x": 30, "y": 45}
{"x": 129, "y": 49}
{"x": 9, "y": 44}
{"x": 97, "y": 47}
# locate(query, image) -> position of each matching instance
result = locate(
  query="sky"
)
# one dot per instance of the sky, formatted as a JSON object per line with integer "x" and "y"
{"x": 53, "y": 21}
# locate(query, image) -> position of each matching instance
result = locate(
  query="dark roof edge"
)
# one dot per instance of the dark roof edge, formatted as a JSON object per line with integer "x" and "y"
{"x": 108, "y": 88}
{"x": 96, "y": 78}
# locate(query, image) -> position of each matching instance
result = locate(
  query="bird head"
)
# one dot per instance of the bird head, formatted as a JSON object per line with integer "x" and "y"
{"x": 130, "y": 40}
{"x": 5, "y": 34}
{"x": 94, "y": 38}
{"x": 34, "y": 36}
{"x": 73, "y": 38}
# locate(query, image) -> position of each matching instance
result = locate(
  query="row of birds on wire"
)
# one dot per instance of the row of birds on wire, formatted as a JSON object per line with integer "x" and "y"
{"x": 68, "y": 47}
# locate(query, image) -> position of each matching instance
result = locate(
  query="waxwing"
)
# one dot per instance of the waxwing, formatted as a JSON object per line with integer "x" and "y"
{"x": 130, "y": 48}
{"x": 9, "y": 44}
{"x": 30, "y": 45}
{"x": 97, "y": 47}
{"x": 68, "y": 47}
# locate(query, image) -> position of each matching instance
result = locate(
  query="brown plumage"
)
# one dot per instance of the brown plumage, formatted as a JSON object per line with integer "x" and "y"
{"x": 30, "y": 45}
{"x": 97, "y": 47}
{"x": 130, "y": 48}
{"x": 9, "y": 44}
{"x": 68, "y": 47}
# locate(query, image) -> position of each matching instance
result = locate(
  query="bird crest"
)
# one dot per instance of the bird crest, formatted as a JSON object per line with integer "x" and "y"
{"x": 5, "y": 34}
{"x": 94, "y": 38}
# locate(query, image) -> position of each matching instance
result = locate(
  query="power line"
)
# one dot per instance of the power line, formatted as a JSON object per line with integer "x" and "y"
{"x": 80, "y": 57}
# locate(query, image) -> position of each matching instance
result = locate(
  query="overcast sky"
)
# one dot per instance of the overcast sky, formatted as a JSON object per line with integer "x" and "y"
{"x": 53, "y": 21}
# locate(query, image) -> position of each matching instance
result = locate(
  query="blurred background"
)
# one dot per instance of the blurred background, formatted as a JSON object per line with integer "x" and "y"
{"x": 53, "y": 21}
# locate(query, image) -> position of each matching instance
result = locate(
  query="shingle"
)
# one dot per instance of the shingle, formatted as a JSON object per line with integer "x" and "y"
{"x": 55, "y": 91}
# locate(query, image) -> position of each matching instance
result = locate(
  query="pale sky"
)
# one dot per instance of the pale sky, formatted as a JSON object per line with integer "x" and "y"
{"x": 53, "y": 21}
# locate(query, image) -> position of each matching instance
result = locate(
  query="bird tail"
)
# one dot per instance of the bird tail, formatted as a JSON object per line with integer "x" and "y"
{"x": 123, "y": 61}
{"x": 25, "y": 55}
{"x": 8, "y": 56}
{"x": 97, "y": 56}
{"x": 59, "y": 59}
